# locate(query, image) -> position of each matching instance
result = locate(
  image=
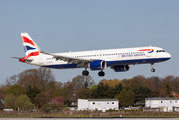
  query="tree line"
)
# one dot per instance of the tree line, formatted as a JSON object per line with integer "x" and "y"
{"x": 37, "y": 88}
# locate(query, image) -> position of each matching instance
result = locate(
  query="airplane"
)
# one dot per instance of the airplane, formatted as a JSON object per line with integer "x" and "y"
{"x": 117, "y": 59}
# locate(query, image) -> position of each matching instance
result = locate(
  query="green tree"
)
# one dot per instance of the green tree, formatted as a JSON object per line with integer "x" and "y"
{"x": 52, "y": 85}
{"x": 98, "y": 92}
{"x": 141, "y": 93}
{"x": 16, "y": 90}
{"x": 54, "y": 106}
{"x": 118, "y": 88}
{"x": 23, "y": 102}
{"x": 32, "y": 93}
{"x": 43, "y": 98}
{"x": 39, "y": 77}
{"x": 83, "y": 93}
{"x": 168, "y": 90}
{"x": 10, "y": 101}
{"x": 62, "y": 92}
{"x": 126, "y": 97}
{"x": 93, "y": 87}
{"x": 81, "y": 81}
{"x": 3, "y": 89}
{"x": 28, "y": 105}
{"x": 105, "y": 91}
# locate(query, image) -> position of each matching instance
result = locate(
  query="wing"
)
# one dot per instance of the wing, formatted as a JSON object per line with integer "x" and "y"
{"x": 72, "y": 60}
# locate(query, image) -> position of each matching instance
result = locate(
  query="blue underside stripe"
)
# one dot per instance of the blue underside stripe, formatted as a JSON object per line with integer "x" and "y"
{"x": 112, "y": 63}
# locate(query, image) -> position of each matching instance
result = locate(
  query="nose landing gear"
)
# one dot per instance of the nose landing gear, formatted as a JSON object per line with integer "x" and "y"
{"x": 152, "y": 65}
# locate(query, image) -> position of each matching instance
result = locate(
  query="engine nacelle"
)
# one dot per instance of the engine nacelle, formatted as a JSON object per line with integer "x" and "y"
{"x": 120, "y": 68}
{"x": 97, "y": 65}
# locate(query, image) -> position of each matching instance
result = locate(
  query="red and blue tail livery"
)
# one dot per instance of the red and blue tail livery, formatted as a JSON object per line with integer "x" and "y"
{"x": 29, "y": 46}
{"x": 117, "y": 59}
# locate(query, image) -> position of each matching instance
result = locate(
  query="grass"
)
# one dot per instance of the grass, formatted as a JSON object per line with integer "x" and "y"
{"x": 81, "y": 116}
{"x": 133, "y": 114}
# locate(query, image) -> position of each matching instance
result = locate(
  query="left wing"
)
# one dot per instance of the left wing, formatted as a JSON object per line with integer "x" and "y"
{"x": 71, "y": 60}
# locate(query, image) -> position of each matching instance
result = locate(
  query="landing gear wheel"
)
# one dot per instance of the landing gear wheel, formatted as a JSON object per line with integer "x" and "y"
{"x": 153, "y": 70}
{"x": 152, "y": 66}
{"x": 85, "y": 73}
{"x": 101, "y": 73}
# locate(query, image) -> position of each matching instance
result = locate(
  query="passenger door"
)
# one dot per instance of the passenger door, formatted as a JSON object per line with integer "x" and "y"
{"x": 41, "y": 59}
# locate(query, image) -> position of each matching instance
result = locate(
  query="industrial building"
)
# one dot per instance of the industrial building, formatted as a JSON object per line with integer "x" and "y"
{"x": 162, "y": 104}
{"x": 98, "y": 104}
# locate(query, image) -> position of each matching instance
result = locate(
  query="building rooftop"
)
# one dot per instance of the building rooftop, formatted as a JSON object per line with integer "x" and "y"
{"x": 161, "y": 98}
{"x": 102, "y": 99}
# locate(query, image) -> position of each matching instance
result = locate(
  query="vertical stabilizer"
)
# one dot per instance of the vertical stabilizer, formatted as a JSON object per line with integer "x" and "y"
{"x": 30, "y": 47}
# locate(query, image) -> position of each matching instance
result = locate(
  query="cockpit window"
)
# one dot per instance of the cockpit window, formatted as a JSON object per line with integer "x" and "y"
{"x": 160, "y": 51}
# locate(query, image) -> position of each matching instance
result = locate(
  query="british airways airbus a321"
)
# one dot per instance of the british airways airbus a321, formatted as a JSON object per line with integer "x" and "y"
{"x": 117, "y": 59}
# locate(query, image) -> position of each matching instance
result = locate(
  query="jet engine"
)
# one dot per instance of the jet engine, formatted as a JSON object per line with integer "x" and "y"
{"x": 97, "y": 65}
{"x": 120, "y": 68}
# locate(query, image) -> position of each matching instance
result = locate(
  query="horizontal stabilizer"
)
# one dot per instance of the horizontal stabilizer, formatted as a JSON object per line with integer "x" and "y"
{"x": 29, "y": 60}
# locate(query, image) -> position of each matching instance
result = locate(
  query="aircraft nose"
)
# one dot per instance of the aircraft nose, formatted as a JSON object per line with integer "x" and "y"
{"x": 167, "y": 55}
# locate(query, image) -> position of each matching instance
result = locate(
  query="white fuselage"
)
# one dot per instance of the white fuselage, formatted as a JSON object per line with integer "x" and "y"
{"x": 118, "y": 59}
{"x": 126, "y": 56}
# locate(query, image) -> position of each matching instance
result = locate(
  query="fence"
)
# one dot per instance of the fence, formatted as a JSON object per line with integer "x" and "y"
{"x": 88, "y": 114}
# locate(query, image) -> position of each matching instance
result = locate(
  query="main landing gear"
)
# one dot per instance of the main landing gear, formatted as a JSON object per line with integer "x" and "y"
{"x": 152, "y": 65}
{"x": 101, "y": 73}
{"x": 86, "y": 73}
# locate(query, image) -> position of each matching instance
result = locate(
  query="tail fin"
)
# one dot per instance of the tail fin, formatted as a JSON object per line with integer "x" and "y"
{"x": 30, "y": 47}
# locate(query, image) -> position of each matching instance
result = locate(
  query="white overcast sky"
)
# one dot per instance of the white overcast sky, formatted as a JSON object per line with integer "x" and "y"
{"x": 77, "y": 25}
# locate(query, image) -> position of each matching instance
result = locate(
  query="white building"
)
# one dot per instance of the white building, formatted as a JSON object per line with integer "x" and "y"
{"x": 163, "y": 104}
{"x": 98, "y": 104}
